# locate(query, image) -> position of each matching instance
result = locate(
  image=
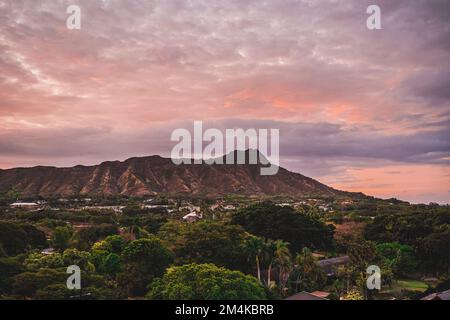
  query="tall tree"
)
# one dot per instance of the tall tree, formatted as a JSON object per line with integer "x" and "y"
{"x": 254, "y": 248}
{"x": 143, "y": 260}
{"x": 307, "y": 275}
{"x": 207, "y": 242}
{"x": 269, "y": 256}
{"x": 205, "y": 282}
{"x": 270, "y": 221}
{"x": 283, "y": 262}
{"x": 61, "y": 237}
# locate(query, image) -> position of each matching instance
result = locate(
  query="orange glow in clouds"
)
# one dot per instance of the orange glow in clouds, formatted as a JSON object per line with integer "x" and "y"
{"x": 406, "y": 182}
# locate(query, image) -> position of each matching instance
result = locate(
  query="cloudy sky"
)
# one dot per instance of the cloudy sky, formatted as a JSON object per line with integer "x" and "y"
{"x": 358, "y": 109}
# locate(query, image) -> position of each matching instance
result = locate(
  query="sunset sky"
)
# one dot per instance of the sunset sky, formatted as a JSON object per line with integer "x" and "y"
{"x": 358, "y": 109}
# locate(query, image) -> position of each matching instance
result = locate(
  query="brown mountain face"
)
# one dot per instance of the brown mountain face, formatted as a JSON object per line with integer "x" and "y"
{"x": 155, "y": 175}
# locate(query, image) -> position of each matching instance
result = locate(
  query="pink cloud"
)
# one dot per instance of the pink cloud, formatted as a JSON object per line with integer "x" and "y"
{"x": 137, "y": 66}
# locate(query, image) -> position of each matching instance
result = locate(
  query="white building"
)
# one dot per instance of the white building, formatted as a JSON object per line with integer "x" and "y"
{"x": 48, "y": 251}
{"x": 192, "y": 217}
{"x": 156, "y": 206}
{"x": 285, "y": 204}
{"x": 26, "y": 205}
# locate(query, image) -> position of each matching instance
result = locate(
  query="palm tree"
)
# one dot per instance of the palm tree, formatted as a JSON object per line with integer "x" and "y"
{"x": 283, "y": 260}
{"x": 305, "y": 265}
{"x": 255, "y": 247}
{"x": 338, "y": 288}
{"x": 269, "y": 255}
{"x": 135, "y": 229}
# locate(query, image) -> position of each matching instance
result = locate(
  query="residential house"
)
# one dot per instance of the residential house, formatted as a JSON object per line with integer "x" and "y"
{"x": 330, "y": 265}
{"x": 444, "y": 295}
{"x": 25, "y": 205}
{"x": 193, "y": 217}
{"x": 316, "y": 295}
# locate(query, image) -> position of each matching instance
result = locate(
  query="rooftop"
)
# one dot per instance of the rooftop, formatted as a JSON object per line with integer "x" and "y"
{"x": 444, "y": 295}
{"x": 305, "y": 296}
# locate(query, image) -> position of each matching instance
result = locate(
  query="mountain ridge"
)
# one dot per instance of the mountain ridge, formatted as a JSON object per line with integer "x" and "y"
{"x": 150, "y": 175}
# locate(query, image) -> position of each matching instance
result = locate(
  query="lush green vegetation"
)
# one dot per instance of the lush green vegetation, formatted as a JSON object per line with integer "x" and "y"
{"x": 261, "y": 250}
{"x": 427, "y": 233}
{"x": 275, "y": 222}
{"x": 17, "y": 238}
{"x": 412, "y": 285}
{"x": 206, "y": 242}
{"x": 205, "y": 282}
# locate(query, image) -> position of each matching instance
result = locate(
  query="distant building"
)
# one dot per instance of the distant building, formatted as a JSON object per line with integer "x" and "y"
{"x": 48, "y": 251}
{"x": 299, "y": 204}
{"x": 117, "y": 209}
{"x": 156, "y": 206}
{"x": 285, "y": 204}
{"x": 444, "y": 295}
{"x": 330, "y": 265}
{"x": 324, "y": 208}
{"x": 25, "y": 205}
{"x": 190, "y": 208}
{"x": 192, "y": 217}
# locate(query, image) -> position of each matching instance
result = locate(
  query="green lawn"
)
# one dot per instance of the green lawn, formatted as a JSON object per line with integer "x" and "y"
{"x": 412, "y": 285}
{"x": 400, "y": 286}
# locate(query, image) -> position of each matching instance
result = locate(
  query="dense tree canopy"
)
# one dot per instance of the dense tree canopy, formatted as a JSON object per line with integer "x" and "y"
{"x": 306, "y": 275}
{"x": 433, "y": 251}
{"x": 111, "y": 244}
{"x": 9, "y": 267}
{"x": 26, "y": 284}
{"x": 17, "y": 238}
{"x": 400, "y": 257}
{"x": 54, "y": 292}
{"x": 427, "y": 232}
{"x": 256, "y": 252}
{"x": 275, "y": 222}
{"x": 143, "y": 260}
{"x": 48, "y": 283}
{"x": 35, "y": 237}
{"x": 205, "y": 282}
{"x": 61, "y": 237}
{"x": 105, "y": 255}
{"x": 206, "y": 242}
{"x": 84, "y": 238}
